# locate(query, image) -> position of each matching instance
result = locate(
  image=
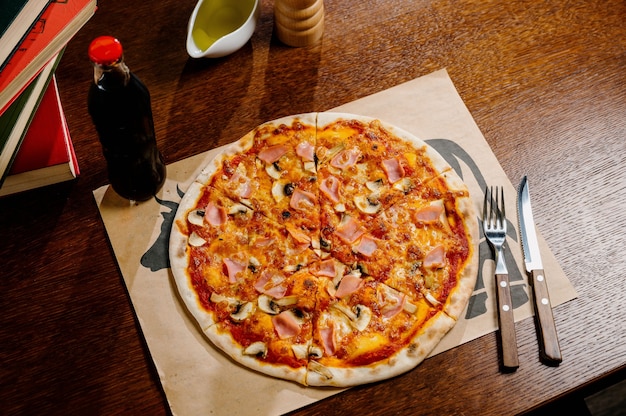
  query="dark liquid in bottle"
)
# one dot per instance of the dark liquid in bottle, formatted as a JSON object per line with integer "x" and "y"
{"x": 123, "y": 118}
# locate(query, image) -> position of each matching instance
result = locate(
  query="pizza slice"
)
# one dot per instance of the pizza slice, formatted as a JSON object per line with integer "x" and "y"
{"x": 365, "y": 166}
{"x": 209, "y": 226}
{"x": 272, "y": 171}
{"x": 274, "y": 335}
{"x": 434, "y": 237}
{"x": 366, "y": 330}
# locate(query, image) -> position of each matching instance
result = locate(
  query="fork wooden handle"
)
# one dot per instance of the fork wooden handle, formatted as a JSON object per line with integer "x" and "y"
{"x": 549, "y": 350}
{"x": 506, "y": 321}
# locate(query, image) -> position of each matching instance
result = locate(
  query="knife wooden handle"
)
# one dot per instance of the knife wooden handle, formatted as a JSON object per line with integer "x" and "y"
{"x": 506, "y": 321}
{"x": 549, "y": 350}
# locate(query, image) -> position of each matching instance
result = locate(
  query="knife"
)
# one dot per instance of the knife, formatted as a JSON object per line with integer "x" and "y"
{"x": 549, "y": 350}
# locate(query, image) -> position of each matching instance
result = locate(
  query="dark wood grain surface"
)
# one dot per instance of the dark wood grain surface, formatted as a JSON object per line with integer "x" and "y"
{"x": 546, "y": 83}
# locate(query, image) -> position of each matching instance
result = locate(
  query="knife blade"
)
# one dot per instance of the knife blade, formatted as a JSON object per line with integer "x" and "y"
{"x": 549, "y": 350}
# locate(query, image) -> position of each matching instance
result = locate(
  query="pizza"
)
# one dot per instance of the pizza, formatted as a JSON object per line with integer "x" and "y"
{"x": 328, "y": 249}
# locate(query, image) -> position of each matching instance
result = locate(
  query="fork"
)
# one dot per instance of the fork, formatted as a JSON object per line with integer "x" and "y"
{"x": 494, "y": 227}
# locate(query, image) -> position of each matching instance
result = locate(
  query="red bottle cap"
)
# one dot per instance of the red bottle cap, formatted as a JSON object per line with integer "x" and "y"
{"x": 105, "y": 50}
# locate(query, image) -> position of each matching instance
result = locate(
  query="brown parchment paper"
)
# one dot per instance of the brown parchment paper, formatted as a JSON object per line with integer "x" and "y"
{"x": 200, "y": 380}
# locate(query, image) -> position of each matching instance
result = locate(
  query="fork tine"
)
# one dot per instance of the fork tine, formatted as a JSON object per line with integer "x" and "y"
{"x": 493, "y": 209}
{"x": 501, "y": 215}
{"x": 485, "y": 223}
{"x": 496, "y": 210}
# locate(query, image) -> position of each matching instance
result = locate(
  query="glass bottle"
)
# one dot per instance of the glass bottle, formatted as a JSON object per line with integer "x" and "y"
{"x": 119, "y": 106}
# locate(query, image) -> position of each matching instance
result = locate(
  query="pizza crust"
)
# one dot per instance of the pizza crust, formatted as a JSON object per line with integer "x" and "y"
{"x": 459, "y": 297}
{"x": 240, "y": 146}
{"x": 225, "y": 342}
{"x": 179, "y": 257}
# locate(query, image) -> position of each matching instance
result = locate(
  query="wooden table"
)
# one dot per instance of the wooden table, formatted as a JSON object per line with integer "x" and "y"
{"x": 546, "y": 84}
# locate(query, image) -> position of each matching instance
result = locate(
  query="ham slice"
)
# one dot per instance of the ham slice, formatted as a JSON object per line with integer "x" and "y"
{"x": 328, "y": 340}
{"x": 299, "y": 235}
{"x": 345, "y": 158}
{"x": 305, "y": 151}
{"x": 393, "y": 169}
{"x": 330, "y": 188}
{"x": 286, "y": 325}
{"x": 366, "y": 246}
{"x": 263, "y": 242}
{"x": 302, "y": 200}
{"x": 348, "y": 285}
{"x": 393, "y": 306}
{"x": 349, "y": 230}
{"x": 233, "y": 269}
{"x": 392, "y": 302}
{"x": 215, "y": 215}
{"x": 271, "y": 284}
{"x": 325, "y": 268}
{"x": 435, "y": 257}
{"x": 243, "y": 188}
{"x": 430, "y": 213}
{"x": 273, "y": 153}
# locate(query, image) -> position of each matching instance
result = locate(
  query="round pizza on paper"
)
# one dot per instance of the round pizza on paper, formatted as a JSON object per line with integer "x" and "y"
{"x": 326, "y": 248}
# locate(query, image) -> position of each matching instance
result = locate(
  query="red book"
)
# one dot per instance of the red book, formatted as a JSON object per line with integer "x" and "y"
{"x": 56, "y": 26}
{"x": 46, "y": 155}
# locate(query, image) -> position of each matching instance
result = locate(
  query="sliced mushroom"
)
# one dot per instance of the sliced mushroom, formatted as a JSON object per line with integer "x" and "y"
{"x": 315, "y": 351}
{"x": 301, "y": 351}
{"x": 195, "y": 240}
{"x": 430, "y": 298}
{"x": 217, "y": 298}
{"x": 196, "y": 217}
{"x": 288, "y": 189}
{"x": 362, "y": 268}
{"x": 404, "y": 185}
{"x": 267, "y": 305}
{"x": 273, "y": 170}
{"x": 278, "y": 191}
{"x": 238, "y": 209}
{"x": 367, "y": 205}
{"x": 253, "y": 264}
{"x": 375, "y": 186}
{"x": 258, "y": 349}
{"x": 330, "y": 153}
{"x": 243, "y": 311}
{"x": 320, "y": 369}
{"x": 345, "y": 310}
{"x": 359, "y": 317}
{"x": 247, "y": 203}
{"x": 341, "y": 207}
{"x": 410, "y": 307}
{"x": 309, "y": 166}
{"x": 287, "y": 300}
{"x": 364, "y": 316}
{"x": 300, "y": 315}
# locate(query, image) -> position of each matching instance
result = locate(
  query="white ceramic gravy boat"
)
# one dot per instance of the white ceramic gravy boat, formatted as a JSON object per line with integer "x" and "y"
{"x": 220, "y": 27}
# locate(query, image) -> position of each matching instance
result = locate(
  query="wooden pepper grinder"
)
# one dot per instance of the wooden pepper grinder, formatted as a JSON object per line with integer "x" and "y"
{"x": 299, "y": 22}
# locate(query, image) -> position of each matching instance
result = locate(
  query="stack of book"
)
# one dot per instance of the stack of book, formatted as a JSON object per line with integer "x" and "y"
{"x": 35, "y": 144}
